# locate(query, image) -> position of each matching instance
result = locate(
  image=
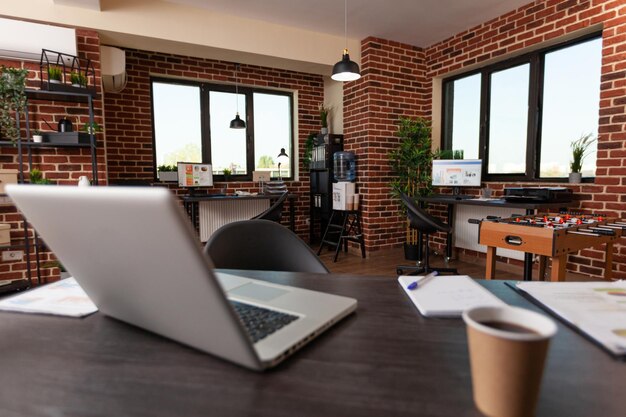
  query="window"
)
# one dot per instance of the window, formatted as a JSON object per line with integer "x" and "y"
{"x": 520, "y": 116}
{"x": 192, "y": 124}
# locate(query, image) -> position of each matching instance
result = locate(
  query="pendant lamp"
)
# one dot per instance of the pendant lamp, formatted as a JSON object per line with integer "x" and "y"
{"x": 237, "y": 122}
{"x": 346, "y": 70}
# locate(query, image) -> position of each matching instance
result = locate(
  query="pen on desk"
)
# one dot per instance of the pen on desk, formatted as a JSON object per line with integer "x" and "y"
{"x": 422, "y": 281}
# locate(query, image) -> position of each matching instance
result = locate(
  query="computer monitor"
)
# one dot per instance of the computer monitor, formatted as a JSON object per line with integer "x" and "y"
{"x": 457, "y": 172}
{"x": 192, "y": 174}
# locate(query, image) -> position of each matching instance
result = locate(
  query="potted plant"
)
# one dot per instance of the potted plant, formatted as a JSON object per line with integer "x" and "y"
{"x": 324, "y": 112}
{"x": 36, "y": 177}
{"x": 55, "y": 75}
{"x": 411, "y": 164}
{"x": 579, "y": 153}
{"x": 92, "y": 128}
{"x": 227, "y": 173}
{"x": 168, "y": 172}
{"x": 308, "y": 150}
{"x": 37, "y": 137}
{"x": 13, "y": 99}
{"x": 78, "y": 79}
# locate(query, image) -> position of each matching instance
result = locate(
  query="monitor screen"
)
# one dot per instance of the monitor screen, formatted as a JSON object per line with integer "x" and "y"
{"x": 194, "y": 175}
{"x": 457, "y": 172}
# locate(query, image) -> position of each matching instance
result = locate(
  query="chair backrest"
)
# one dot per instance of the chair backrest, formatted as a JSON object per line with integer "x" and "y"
{"x": 420, "y": 220}
{"x": 275, "y": 212}
{"x": 261, "y": 245}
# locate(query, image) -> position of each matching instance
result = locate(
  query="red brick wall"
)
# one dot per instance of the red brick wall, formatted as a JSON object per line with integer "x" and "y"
{"x": 62, "y": 165}
{"x": 128, "y": 114}
{"x": 392, "y": 85}
{"x": 397, "y": 79}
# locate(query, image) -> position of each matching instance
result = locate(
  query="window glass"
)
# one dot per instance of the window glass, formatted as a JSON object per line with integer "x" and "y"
{"x": 177, "y": 127}
{"x": 464, "y": 95}
{"x": 571, "y": 95}
{"x": 272, "y": 131}
{"x": 228, "y": 146}
{"x": 508, "y": 120}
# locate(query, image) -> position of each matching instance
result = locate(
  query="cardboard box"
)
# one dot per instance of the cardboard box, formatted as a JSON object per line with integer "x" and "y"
{"x": 5, "y": 234}
{"x": 341, "y": 190}
{"x": 7, "y": 176}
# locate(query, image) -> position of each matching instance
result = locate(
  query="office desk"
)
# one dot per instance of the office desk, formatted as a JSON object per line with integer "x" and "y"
{"x": 385, "y": 360}
{"x": 529, "y": 208}
{"x": 191, "y": 202}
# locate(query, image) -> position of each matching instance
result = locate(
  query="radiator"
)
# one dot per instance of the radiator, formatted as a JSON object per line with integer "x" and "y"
{"x": 216, "y": 213}
{"x": 466, "y": 234}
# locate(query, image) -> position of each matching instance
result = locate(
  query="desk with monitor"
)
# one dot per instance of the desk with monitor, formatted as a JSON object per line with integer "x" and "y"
{"x": 384, "y": 360}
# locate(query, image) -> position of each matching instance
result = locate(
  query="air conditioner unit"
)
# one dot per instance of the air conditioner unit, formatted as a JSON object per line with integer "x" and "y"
{"x": 25, "y": 40}
{"x": 113, "y": 67}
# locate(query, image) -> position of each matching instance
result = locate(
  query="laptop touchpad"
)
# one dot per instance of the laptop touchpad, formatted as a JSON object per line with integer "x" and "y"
{"x": 258, "y": 292}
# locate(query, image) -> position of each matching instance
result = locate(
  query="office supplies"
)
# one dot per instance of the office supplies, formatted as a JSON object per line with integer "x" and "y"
{"x": 422, "y": 280}
{"x": 597, "y": 309}
{"x": 109, "y": 239}
{"x": 449, "y": 295}
{"x": 61, "y": 298}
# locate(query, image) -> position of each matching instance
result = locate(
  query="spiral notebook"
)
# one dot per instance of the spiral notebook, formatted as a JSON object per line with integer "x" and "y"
{"x": 448, "y": 295}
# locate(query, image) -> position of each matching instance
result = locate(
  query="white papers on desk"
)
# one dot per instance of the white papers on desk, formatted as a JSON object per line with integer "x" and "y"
{"x": 448, "y": 295}
{"x": 596, "y": 308}
{"x": 61, "y": 298}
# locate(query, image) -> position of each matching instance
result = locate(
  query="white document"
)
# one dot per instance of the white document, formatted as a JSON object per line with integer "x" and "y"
{"x": 596, "y": 308}
{"x": 448, "y": 295}
{"x": 61, "y": 298}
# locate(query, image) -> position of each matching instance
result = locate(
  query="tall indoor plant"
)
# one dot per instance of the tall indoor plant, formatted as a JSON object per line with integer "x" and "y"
{"x": 411, "y": 163}
{"x": 12, "y": 100}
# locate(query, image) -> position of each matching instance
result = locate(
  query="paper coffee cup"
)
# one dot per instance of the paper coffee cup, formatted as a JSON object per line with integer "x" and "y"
{"x": 507, "y": 347}
{"x": 350, "y": 202}
{"x": 356, "y": 201}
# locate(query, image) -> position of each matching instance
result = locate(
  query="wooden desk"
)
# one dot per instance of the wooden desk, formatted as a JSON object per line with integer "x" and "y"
{"x": 385, "y": 360}
{"x": 451, "y": 201}
{"x": 191, "y": 203}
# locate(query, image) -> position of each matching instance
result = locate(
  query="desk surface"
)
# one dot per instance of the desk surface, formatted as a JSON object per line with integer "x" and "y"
{"x": 496, "y": 202}
{"x": 218, "y": 197}
{"x": 385, "y": 360}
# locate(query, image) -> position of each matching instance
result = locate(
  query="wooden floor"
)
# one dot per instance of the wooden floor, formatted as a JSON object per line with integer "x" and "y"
{"x": 384, "y": 262}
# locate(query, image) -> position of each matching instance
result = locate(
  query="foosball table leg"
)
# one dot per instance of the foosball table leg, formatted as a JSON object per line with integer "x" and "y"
{"x": 558, "y": 268}
{"x": 542, "y": 268}
{"x": 490, "y": 272}
{"x": 608, "y": 258}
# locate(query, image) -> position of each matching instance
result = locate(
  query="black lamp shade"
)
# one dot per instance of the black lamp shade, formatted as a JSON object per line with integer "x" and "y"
{"x": 346, "y": 70}
{"x": 283, "y": 153}
{"x": 237, "y": 123}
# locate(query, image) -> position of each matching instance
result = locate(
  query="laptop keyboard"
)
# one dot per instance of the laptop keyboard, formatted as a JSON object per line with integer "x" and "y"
{"x": 261, "y": 322}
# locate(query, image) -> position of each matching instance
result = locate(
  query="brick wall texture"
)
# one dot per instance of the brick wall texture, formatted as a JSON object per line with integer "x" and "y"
{"x": 397, "y": 81}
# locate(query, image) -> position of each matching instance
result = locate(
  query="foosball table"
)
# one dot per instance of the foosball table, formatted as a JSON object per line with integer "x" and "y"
{"x": 550, "y": 236}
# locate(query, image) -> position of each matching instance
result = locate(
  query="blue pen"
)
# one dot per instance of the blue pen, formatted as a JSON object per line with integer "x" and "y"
{"x": 422, "y": 281}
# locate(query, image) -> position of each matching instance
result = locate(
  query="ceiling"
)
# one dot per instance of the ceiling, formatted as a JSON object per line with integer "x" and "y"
{"x": 415, "y": 22}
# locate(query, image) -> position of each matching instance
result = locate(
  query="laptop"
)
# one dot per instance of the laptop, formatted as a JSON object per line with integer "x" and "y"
{"x": 133, "y": 251}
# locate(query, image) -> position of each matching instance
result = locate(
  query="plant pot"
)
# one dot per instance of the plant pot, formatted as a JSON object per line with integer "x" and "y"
{"x": 168, "y": 176}
{"x": 77, "y": 85}
{"x": 324, "y": 131}
{"x": 410, "y": 252}
{"x": 575, "y": 177}
{"x": 37, "y": 138}
{"x": 55, "y": 81}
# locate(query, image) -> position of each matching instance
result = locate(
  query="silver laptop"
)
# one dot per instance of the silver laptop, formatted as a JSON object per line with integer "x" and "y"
{"x": 134, "y": 253}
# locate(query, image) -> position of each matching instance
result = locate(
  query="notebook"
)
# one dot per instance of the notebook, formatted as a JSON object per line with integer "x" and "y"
{"x": 448, "y": 295}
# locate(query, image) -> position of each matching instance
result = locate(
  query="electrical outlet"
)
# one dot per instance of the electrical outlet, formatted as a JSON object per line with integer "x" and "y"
{"x": 12, "y": 255}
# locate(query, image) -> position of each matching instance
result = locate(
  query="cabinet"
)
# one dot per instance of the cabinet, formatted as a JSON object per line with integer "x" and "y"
{"x": 25, "y": 149}
{"x": 321, "y": 183}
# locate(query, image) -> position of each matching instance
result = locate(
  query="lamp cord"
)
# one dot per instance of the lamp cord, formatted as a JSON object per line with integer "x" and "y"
{"x": 345, "y": 24}
{"x": 237, "y": 86}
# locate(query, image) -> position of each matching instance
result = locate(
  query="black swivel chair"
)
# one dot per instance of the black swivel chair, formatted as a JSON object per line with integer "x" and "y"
{"x": 261, "y": 245}
{"x": 423, "y": 222}
{"x": 275, "y": 212}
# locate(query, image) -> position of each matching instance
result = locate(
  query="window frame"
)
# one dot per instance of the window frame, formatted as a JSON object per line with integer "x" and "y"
{"x": 205, "y": 123}
{"x": 536, "y": 61}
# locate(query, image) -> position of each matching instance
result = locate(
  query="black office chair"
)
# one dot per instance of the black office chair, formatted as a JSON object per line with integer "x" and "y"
{"x": 261, "y": 245}
{"x": 423, "y": 222}
{"x": 275, "y": 212}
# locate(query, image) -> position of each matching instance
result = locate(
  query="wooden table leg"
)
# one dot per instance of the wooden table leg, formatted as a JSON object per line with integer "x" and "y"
{"x": 608, "y": 261}
{"x": 558, "y": 268}
{"x": 542, "y": 268}
{"x": 490, "y": 272}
